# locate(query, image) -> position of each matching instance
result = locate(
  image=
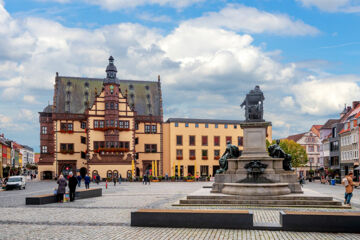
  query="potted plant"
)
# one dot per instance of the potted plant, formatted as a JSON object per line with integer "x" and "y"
{"x": 207, "y": 178}
{"x": 173, "y": 178}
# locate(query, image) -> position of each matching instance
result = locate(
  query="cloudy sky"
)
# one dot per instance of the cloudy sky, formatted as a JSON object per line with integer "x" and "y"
{"x": 303, "y": 53}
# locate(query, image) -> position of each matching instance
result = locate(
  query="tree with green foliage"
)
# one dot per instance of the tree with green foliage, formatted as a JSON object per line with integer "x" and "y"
{"x": 298, "y": 154}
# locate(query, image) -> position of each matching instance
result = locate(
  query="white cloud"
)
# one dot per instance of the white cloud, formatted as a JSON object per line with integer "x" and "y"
{"x": 252, "y": 20}
{"x": 349, "y": 6}
{"x": 112, "y": 5}
{"x": 326, "y": 96}
{"x": 205, "y": 70}
{"x": 29, "y": 99}
{"x": 288, "y": 102}
{"x": 154, "y": 18}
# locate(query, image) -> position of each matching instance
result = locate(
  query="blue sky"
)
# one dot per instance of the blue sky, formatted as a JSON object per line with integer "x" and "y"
{"x": 303, "y": 53}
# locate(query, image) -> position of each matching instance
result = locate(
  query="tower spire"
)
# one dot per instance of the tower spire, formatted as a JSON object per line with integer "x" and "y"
{"x": 111, "y": 73}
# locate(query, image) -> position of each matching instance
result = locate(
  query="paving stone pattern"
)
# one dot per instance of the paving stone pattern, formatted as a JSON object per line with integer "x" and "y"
{"x": 108, "y": 217}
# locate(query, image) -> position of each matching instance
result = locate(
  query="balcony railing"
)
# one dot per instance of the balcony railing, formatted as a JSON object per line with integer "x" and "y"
{"x": 111, "y": 150}
{"x": 67, "y": 151}
{"x": 112, "y": 128}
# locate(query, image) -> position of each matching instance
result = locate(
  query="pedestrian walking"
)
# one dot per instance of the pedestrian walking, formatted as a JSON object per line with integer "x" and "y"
{"x": 114, "y": 180}
{"x": 78, "y": 178}
{"x": 61, "y": 188}
{"x": 349, "y": 188}
{"x": 106, "y": 183}
{"x": 120, "y": 179}
{"x": 87, "y": 181}
{"x": 73, "y": 181}
{"x": 97, "y": 179}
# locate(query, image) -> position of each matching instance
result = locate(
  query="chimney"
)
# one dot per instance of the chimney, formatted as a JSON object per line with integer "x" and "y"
{"x": 355, "y": 103}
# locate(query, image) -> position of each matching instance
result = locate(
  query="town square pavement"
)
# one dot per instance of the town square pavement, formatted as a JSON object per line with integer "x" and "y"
{"x": 108, "y": 217}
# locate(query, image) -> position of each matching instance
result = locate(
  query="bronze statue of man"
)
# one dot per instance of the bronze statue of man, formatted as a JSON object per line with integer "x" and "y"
{"x": 231, "y": 151}
{"x": 253, "y": 103}
{"x": 276, "y": 151}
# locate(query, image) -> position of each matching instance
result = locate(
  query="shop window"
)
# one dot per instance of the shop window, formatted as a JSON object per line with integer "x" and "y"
{"x": 204, "y": 171}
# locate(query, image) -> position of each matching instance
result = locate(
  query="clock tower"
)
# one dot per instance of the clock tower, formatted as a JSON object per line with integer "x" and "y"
{"x": 111, "y": 100}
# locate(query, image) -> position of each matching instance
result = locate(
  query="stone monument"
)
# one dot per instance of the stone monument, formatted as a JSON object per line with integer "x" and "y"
{"x": 255, "y": 173}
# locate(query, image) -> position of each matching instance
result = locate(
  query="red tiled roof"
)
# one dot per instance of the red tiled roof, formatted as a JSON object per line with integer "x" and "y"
{"x": 318, "y": 127}
{"x": 329, "y": 123}
{"x": 344, "y": 131}
{"x": 295, "y": 137}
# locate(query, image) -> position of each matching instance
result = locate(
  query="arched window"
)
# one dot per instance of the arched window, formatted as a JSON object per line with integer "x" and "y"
{"x": 116, "y": 174}
{"x": 109, "y": 174}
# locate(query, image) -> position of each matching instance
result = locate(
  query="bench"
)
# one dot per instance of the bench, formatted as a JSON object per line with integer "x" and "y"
{"x": 51, "y": 198}
{"x": 346, "y": 222}
{"x": 178, "y": 218}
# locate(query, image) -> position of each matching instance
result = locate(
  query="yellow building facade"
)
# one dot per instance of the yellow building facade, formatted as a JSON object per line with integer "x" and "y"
{"x": 193, "y": 147}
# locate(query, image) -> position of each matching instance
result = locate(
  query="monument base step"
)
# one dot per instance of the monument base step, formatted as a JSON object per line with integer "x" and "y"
{"x": 265, "y": 206}
{"x": 263, "y": 201}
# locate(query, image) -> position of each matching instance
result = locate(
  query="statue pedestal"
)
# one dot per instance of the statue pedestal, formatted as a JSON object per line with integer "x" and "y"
{"x": 255, "y": 139}
{"x": 255, "y": 149}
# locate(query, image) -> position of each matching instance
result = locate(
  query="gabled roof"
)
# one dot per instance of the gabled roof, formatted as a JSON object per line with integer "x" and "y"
{"x": 296, "y": 137}
{"x": 144, "y": 96}
{"x": 329, "y": 123}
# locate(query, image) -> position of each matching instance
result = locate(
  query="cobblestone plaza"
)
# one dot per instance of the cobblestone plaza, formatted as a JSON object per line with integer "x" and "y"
{"x": 108, "y": 217}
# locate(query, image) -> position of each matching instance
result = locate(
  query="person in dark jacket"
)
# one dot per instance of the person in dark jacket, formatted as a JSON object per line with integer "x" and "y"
{"x": 97, "y": 179}
{"x": 114, "y": 180}
{"x": 72, "y": 186}
{"x": 87, "y": 181}
{"x": 61, "y": 188}
{"x": 79, "y": 180}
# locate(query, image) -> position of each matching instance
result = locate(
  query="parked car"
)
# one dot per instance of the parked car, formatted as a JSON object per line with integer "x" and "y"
{"x": 17, "y": 182}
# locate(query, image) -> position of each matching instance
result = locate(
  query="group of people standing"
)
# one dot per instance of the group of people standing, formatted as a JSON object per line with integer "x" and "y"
{"x": 73, "y": 183}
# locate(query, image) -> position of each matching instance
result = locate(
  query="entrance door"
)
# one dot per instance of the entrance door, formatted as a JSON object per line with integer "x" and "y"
{"x": 83, "y": 172}
{"x": 191, "y": 170}
{"x": 66, "y": 169}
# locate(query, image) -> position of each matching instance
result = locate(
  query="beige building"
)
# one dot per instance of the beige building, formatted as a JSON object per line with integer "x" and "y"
{"x": 103, "y": 127}
{"x": 194, "y": 146}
